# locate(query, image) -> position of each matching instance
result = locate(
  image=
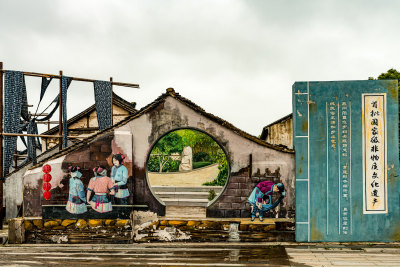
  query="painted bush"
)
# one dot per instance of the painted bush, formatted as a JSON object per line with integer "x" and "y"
{"x": 188, "y": 150}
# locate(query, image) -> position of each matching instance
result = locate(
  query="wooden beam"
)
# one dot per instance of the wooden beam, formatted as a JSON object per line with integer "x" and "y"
{"x": 37, "y": 74}
{"x": 38, "y": 135}
{"x": 47, "y": 122}
{"x": 84, "y": 129}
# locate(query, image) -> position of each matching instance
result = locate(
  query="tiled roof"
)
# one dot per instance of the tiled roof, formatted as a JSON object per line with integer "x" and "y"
{"x": 170, "y": 92}
{"x": 117, "y": 100}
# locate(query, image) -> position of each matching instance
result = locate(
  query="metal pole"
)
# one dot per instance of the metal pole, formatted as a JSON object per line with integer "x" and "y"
{"x": 1, "y": 147}
{"x": 60, "y": 126}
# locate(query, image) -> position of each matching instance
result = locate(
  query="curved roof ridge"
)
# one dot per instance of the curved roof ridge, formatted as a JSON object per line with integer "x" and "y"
{"x": 153, "y": 105}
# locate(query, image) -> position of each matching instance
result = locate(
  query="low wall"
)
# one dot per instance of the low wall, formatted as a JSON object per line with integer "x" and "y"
{"x": 89, "y": 231}
{"x": 214, "y": 230}
{"x": 146, "y": 227}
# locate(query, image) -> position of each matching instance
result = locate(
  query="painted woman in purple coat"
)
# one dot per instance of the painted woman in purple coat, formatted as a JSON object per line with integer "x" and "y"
{"x": 261, "y": 198}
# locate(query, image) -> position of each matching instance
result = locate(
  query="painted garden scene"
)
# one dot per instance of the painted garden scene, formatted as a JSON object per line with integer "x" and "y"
{"x": 189, "y": 160}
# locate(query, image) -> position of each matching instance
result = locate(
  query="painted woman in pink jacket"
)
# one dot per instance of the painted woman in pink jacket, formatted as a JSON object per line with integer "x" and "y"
{"x": 101, "y": 185}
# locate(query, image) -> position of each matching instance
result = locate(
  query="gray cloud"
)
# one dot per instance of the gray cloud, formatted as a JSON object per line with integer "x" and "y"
{"x": 237, "y": 59}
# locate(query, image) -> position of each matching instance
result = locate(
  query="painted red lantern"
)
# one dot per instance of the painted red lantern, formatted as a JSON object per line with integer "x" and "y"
{"x": 46, "y": 168}
{"x": 47, "y": 177}
{"x": 46, "y": 186}
{"x": 47, "y": 195}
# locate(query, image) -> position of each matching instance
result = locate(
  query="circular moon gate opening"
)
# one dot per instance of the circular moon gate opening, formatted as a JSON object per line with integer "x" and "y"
{"x": 187, "y": 167}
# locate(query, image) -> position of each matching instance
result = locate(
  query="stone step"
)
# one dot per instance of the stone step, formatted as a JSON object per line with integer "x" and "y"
{"x": 186, "y": 202}
{"x": 167, "y": 195}
{"x": 217, "y": 189}
{"x": 190, "y": 213}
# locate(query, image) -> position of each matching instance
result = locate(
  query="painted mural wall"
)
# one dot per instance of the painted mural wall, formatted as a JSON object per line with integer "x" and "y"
{"x": 250, "y": 162}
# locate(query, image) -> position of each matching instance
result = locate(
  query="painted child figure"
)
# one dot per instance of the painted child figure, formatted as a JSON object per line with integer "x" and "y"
{"x": 101, "y": 185}
{"x": 261, "y": 198}
{"x": 76, "y": 200}
{"x": 119, "y": 175}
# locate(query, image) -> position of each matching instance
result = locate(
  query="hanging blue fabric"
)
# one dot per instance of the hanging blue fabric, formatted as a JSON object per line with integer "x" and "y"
{"x": 24, "y": 108}
{"x": 45, "y": 84}
{"x": 14, "y": 84}
{"x": 43, "y": 88}
{"x": 65, "y": 82}
{"x": 103, "y": 101}
{"x": 51, "y": 113}
{"x": 31, "y": 141}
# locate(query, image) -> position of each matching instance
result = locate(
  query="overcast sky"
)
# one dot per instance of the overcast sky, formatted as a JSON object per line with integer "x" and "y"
{"x": 236, "y": 59}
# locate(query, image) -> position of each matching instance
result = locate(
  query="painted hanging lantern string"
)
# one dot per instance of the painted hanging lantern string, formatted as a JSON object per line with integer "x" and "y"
{"x": 46, "y": 181}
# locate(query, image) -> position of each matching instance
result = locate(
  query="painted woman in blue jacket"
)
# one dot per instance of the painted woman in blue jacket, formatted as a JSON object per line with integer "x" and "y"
{"x": 119, "y": 175}
{"x": 261, "y": 198}
{"x": 76, "y": 200}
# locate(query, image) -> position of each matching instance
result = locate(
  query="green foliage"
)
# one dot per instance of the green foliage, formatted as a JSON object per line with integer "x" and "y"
{"x": 211, "y": 195}
{"x": 205, "y": 150}
{"x": 221, "y": 178}
{"x": 160, "y": 159}
{"x": 201, "y": 164}
{"x": 391, "y": 74}
{"x": 200, "y": 142}
{"x": 170, "y": 143}
{"x": 201, "y": 156}
{"x": 153, "y": 165}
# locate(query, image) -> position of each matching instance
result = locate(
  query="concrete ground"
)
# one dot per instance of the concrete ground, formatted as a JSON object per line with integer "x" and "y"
{"x": 204, "y": 254}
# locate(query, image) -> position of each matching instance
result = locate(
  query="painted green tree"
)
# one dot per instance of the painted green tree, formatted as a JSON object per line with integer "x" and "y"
{"x": 205, "y": 152}
{"x": 160, "y": 157}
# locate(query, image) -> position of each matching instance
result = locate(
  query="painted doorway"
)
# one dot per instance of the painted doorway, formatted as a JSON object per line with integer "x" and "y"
{"x": 186, "y": 171}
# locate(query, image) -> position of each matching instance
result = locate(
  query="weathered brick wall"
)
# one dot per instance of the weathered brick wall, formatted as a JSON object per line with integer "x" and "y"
{"x": 233, "y": 201}
{"x": 96, "y": 153}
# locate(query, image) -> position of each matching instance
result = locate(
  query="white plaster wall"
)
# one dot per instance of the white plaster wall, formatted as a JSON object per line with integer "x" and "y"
{"x": 239, "y": 148}
{"x": 123, "y": 140}
{"x": 141, "y": 130}
{"x": 32, "y": 178}
{"x": 13, "y": 189}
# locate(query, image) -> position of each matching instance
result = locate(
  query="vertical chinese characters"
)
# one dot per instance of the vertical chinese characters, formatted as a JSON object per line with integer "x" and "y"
{"x": 332, "y": 123}
{"x": 374, "y": 137}
{"x": 345, "y": 143}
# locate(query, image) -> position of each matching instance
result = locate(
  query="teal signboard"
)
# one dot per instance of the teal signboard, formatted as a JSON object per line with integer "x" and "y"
{"x": 346, "y": 137}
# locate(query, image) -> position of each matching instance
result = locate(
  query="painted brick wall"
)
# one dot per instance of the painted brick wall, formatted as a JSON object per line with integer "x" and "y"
{"x": 233, "y": 201}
